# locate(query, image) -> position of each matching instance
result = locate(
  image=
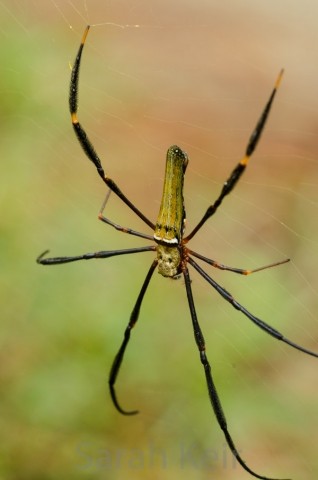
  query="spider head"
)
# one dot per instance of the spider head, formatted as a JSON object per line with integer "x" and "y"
{"x": 169, "y": 260}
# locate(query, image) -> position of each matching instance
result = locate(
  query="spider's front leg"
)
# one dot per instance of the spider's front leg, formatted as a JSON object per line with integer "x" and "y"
{"x": 120, "y": 355}
{"x": 213, "y": 394}
{"x": 257, "y": 321}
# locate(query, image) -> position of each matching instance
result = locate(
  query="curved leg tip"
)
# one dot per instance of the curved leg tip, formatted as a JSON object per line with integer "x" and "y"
{"x": 40, "y": 257}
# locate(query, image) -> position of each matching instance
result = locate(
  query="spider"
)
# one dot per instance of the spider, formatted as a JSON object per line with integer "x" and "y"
{"x": 172, "y": 253}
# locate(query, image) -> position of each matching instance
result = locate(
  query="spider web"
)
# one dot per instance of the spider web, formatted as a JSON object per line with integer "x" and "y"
{"x": 196, "y": 74}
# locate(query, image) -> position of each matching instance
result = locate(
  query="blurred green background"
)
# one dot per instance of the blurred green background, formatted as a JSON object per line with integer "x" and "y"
{"x": 154, "y": 74}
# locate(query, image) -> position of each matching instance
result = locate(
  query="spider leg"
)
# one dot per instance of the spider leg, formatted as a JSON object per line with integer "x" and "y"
{"x": 120, "y": 355}
{"x": 89, "y": 256}
{"x": 124, "y": 229}
{"x": 260, "y": 323}
{"x": 84, "y": 140}
{"x": 241, "y": 271}
{"x": 214, "y": 397}
{"x": 115, "y": 225}
{"x": 240, "y": 167}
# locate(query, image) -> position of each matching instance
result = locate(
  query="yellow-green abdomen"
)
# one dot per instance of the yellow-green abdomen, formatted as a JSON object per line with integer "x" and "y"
{"x": 170, "y": 223}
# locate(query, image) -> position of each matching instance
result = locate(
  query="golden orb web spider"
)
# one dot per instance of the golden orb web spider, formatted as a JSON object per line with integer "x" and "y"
{"x": 172, "y": 253}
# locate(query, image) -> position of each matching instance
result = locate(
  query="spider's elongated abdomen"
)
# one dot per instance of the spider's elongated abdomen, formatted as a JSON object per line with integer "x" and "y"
{"x": 170, "y": 223}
